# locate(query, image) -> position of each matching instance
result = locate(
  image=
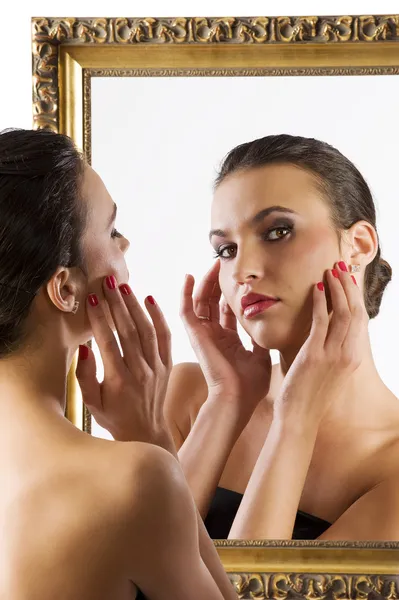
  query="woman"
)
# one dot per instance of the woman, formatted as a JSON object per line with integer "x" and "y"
{"x": 83, "y": 517}
{"x": 266, "y": 455}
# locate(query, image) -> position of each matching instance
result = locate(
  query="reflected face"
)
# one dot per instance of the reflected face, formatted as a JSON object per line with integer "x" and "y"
{"x": 274, "y": 235}
{"x": 104, "y": 247}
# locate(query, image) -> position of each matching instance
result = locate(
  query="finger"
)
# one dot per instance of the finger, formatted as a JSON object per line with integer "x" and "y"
{"x": 320, "y": 319}
{"x": 145, "y": 329}
{"x": 341, "y": 315}
{"x": 162, "y": 331}
{"x": 214, "y": 302}
{"x": 205, "y": 291}
{"x": 106, "y": 342}
{"x": 86, "y": 374}
{"x": 125, "y": 326}
{"x": 228, "y": 320}
{"x": 187, "y": 314}
{"x": 353, "y": 341}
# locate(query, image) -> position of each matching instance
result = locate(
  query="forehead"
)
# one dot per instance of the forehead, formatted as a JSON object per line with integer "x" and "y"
{"x": 246, "y": 192}
{"x": 95, "y": 195}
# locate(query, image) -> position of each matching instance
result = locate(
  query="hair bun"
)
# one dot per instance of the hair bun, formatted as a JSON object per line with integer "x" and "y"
{"x": 378, "y": 281}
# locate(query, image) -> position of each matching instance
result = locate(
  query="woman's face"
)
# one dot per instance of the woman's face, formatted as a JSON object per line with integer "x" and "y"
{"x": 103, "y": 246}
{"x": 274, "y": 235}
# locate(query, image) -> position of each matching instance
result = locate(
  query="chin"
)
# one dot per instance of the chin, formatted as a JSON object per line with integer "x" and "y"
{"x": 277, "y": 335}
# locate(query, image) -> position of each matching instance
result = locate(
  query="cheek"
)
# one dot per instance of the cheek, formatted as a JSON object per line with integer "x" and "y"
{"x": 312, "y": 255}
{"x": 104, "y": 260}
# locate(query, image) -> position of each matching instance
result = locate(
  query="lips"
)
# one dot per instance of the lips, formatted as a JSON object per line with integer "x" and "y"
{"x": 253, "y": 298}
{"x": 254, "y": 304}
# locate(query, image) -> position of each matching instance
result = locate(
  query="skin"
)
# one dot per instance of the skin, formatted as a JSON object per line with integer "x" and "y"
{"x": 88, "y": 504}
{"x": 345, "y": 449}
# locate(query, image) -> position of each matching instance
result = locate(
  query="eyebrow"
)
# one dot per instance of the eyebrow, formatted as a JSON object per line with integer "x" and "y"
{"x": 258, "y": 218}
{"x": 113, "y": 216}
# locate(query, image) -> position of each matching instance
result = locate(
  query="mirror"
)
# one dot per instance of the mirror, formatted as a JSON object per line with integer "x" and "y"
{"x": 157, "y": 103}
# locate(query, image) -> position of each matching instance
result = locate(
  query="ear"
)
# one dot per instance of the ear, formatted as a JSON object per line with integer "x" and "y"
{"x": 63, "y": 289}
{"x": 362, "y": 244}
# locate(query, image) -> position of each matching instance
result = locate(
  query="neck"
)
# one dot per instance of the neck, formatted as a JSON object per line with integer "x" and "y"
{"x": 359, "y": 404}
{"x": 36, "y": 379}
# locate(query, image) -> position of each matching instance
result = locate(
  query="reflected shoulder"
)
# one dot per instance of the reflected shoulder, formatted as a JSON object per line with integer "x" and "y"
{"x": 187, "y": 391}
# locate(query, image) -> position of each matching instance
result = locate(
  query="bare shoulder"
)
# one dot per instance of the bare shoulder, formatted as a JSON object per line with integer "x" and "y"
{"x": 187, "y": 391}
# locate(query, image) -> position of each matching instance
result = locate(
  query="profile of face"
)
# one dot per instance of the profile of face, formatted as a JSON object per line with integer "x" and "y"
{"x": 104, "y": 247}
{"x": 274, "y": 234}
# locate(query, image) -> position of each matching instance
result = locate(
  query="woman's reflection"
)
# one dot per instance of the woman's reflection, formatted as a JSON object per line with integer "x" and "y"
{"x": 308, "y": 448}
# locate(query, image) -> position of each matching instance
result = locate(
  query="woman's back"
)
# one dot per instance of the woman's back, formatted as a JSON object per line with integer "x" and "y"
{"x": 63, "y": 509}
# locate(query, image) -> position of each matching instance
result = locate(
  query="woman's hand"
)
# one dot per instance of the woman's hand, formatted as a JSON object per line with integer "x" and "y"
{"x": 232, "y": 373}
{"x": 129, "y": 401}
{"x": 320, "y": 370}
{"x": 331, "y": 353}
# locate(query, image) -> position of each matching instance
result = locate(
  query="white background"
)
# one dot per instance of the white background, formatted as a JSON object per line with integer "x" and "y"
{"x": 372, "y": 148}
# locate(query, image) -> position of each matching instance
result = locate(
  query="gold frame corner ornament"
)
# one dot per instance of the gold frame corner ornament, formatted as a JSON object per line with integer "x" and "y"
{"x": 68, "y": 52}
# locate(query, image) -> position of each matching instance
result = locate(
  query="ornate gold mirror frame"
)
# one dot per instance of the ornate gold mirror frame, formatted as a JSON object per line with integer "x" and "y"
{"x": 68, "y": 52}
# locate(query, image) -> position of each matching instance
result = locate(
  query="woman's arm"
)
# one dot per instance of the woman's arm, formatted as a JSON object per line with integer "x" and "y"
{"x": 236, "y": 380}
{"x": 168, "y": 554}
{"x": 272, "y": 496}
{"x": 204, "y": 454}
{"x": 319, "y": 372}
{"x": 204, "y": 449}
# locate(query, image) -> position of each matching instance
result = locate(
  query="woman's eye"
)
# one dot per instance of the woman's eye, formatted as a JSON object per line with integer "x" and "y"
{"x": 225, "y": 252}
{"x": 277, "y": 233}
{"x": 115, "y": 234}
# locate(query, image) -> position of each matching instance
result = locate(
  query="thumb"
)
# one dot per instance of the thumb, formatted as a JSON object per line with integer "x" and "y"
{"x": 86, "y": 371}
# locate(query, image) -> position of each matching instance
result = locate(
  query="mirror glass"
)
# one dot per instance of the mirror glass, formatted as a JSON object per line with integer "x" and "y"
{"x": 157, "y": 142}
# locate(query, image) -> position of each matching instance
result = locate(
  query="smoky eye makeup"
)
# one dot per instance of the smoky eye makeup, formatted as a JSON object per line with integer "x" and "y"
{"x": 279, "y": 229}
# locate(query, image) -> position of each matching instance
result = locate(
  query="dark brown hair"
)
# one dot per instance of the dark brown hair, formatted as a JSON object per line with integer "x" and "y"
{"x": 41, "y": 221}
{"x": 339, "y": 180}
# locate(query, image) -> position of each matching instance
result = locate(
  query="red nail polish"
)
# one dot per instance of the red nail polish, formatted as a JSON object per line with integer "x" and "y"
{"x": 343, "y": 266}
{"x": 151, "y": 300}
{"x": 111, "y": 282}
{"x": 125, "y": 289}
{"x": 93, "y": 300}
{"x": 354, "y": 280}
{"x": 320, "y": 286}
{"x": 335, "y": 273}
{"x": 83, "y": 352}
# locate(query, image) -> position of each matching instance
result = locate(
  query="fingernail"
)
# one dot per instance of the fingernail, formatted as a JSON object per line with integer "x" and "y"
{"x": 343, "y": 266}
{"x": 125, "y": 289}
{"x": 335, "y": 273}
{"x": 111, "y": 282}
{"x": 151, "y": 300}
{"x": 83, "y": 352}
{"x": 320, "y": 286}
{"x": 93, "y": 300}
{"x": 354, "y": 280}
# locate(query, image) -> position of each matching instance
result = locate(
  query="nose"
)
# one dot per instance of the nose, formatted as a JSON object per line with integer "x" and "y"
{"x": 125, "y": 244}
{"x": 248, "y": 265}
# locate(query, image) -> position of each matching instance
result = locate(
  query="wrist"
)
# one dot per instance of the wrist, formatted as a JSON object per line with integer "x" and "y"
{"x": 226, "y": 410}
{"x": 295, "y": 422}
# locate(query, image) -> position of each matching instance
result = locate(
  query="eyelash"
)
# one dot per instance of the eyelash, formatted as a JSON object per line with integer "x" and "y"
{"x": 115, "y": 234}
{"x": 288, "y": 228}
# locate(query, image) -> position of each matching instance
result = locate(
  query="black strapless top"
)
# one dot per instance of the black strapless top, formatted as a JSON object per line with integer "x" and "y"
{"x": 224, "y": 508}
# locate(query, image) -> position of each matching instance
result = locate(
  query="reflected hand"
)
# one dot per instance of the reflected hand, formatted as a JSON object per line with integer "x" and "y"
{"x": 331, "y": 353}
{"x": 234, "y": 374}
{"x": 129, "y": 401}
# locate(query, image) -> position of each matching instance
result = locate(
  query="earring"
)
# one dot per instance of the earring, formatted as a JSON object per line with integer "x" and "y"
{"x": 354, "y": 268}
{"x": 75, "y": 307}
